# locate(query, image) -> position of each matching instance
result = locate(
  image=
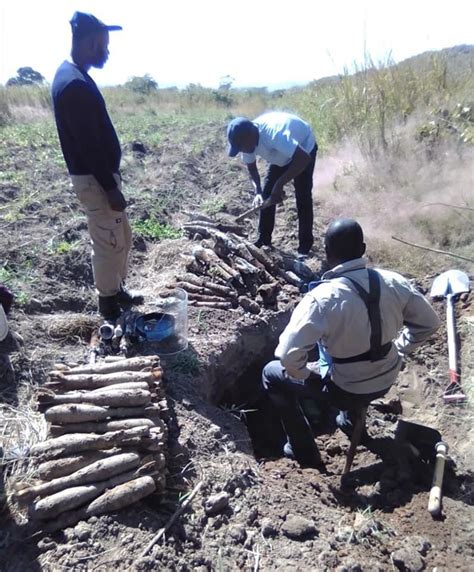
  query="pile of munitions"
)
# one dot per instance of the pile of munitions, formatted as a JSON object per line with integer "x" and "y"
{"x": 107, "y": 444}
{"x": 226, "y": 271}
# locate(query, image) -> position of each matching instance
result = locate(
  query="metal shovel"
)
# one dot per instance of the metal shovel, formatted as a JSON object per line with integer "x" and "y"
{"x": 449, "y": 285}
{"x": 266, "y": 203}
{"x": 425, "y": 445}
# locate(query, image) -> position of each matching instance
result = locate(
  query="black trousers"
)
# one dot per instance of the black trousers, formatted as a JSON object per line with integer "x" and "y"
{"x": 284, "y": 393}
{"x": 304, "y": 204}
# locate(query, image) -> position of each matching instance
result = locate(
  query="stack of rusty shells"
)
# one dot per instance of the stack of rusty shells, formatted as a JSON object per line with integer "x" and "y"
{"x": 106, "y": 447}
{"x": 226, "y": 271}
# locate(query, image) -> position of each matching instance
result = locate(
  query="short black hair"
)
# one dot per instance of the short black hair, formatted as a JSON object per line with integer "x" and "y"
{"x": 344, "y": 240}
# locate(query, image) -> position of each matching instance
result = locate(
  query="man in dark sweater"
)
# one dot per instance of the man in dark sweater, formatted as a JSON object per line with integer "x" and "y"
{"x": 92, "y": 153}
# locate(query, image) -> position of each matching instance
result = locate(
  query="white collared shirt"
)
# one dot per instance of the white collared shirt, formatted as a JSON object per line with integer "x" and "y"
{"x": 279, "y": 134}
{"x": 335, "y": 315}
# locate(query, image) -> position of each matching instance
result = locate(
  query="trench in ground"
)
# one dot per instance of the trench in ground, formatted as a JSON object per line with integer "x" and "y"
{"x": 235, "y": 384}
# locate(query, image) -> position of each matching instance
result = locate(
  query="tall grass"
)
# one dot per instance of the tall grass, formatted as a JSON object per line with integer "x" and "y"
{"x": 393, "y": 139}
{"x": 368, "y": 105}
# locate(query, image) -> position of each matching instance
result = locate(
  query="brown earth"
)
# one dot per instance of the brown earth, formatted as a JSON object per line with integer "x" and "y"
{"x": 276, "y": 515}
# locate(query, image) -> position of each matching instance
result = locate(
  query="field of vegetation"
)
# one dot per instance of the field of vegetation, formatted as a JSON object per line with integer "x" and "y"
{"x": 396, "y": 152}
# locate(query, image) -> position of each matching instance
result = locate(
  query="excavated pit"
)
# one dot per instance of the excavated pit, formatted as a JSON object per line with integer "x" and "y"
{"x": 234, "y": 382}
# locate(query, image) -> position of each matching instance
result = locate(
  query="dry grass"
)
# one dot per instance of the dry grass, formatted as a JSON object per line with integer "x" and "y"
{"x": 399, "y": 195}
{"x": 20, "y": 428}
{"x": 72, "y": 327}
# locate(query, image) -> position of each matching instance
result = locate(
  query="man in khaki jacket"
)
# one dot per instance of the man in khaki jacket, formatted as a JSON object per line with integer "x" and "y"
{"x": 364, "y": 322}
{"x": 92, "y": 153}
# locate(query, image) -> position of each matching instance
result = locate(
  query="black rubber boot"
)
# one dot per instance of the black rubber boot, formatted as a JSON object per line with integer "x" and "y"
{"x": 129, "y": 298}
{"x": 109, "y": 307}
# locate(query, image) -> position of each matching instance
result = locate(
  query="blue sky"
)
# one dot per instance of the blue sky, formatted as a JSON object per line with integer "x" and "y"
{"x": 257, "y": 42}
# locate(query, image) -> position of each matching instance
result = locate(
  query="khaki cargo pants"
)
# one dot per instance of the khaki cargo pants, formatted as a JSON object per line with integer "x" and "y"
{"x": 110, "y": 233}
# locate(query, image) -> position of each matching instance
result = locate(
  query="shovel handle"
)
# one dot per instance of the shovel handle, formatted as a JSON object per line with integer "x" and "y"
{"x": 451, "y": 327}
{"x": 248, "y": 213}
{"x": 434, "y": 502}
{"x": 266, "y": 203}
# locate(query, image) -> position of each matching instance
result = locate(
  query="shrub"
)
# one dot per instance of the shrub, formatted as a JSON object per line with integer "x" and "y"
{"x": 26, "y": 76}
{"x": 153, "y": 229}
{"x": 142, "y": 84}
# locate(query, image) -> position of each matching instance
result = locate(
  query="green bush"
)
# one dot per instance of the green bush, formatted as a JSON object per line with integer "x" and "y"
{"x": 142, "y": 84}
{"x": 151, "y": 228}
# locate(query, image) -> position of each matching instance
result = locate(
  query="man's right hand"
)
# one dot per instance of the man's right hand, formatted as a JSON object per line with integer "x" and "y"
{"x": 257, "y": 201}
{"x": 116, "y": 200}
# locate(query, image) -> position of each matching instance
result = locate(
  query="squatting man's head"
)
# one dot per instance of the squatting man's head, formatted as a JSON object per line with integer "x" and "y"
{"x": 344, "y": 241}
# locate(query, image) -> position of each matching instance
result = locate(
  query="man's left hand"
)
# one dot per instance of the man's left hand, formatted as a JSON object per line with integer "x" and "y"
{"x": 116, "y": 200}
{"x": 257, "y": 201}
{"x": 277, "y": 195}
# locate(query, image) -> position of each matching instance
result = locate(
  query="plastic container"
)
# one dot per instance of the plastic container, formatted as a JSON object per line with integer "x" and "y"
{"x": 167, "y": 330}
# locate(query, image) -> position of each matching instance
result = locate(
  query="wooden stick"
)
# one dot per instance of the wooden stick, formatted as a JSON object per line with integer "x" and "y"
{"x": 172, "y": 520}
{"x": 264, "y": 205}
{"x": 448, "y": 205}
{"x": 433, "y": 249}
{"x": 247, "y": 213}
{"x": 217, "y": 305}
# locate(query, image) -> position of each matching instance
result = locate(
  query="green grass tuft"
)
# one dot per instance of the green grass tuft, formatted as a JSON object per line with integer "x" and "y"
{"x": 152, "y": 229}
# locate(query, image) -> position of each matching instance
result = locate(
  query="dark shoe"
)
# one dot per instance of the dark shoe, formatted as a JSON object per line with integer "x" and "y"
{"x": 260, "y": 242}
{"x": 129, "y": 298}
{"x": 109, "y": 308}
{"x": 303, "y": 253}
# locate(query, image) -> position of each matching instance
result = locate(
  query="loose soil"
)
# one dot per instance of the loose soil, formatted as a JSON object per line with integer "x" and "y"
{"x": 277, "y": 516}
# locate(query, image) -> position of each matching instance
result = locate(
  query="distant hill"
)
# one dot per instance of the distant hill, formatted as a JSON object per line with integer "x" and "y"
{"x": 459, "y": 61}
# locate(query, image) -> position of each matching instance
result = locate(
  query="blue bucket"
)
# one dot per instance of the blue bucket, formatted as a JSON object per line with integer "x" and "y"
{"x": 155, "y": 326}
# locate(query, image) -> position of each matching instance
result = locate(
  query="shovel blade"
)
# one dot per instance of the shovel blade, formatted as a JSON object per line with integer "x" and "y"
{"x": 423, "y": 438}
{"x": 450, "y": 282}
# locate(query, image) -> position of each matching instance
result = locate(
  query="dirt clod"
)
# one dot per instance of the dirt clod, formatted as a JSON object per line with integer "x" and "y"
{"x": 216, "y": 503}
{"x": 298, "y": 528}
{"x": 407, "y": 559}
{"x": 268, "y": 528}
{"x": 238, "y": 533}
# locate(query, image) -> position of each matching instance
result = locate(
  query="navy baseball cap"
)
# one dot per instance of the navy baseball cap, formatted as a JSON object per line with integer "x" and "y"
{"x": 84, "y": 25}
{"x": 236, "y": 129}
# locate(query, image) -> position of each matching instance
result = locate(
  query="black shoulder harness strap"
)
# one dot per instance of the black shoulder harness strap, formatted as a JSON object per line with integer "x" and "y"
{"x": 371, "y": 300}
